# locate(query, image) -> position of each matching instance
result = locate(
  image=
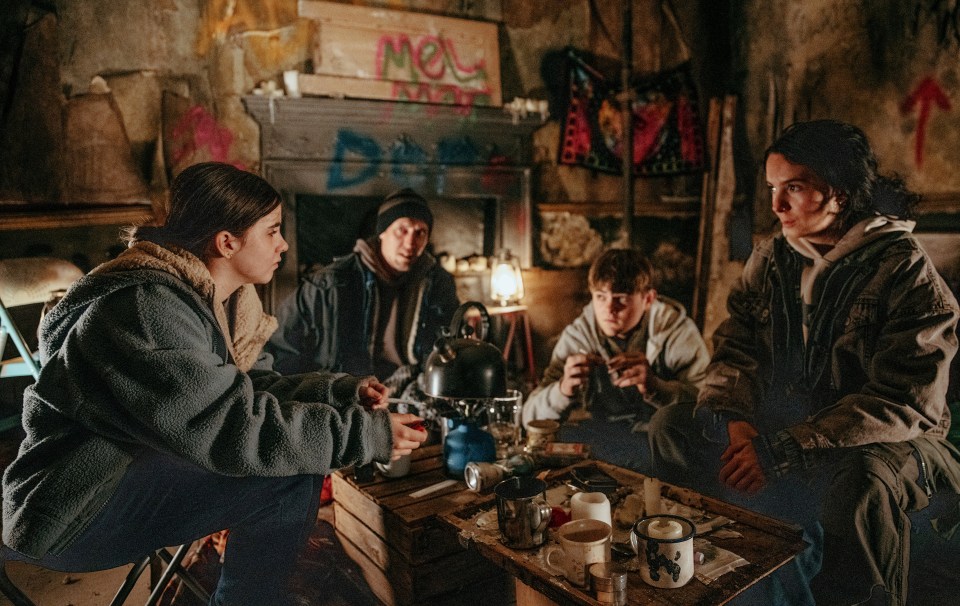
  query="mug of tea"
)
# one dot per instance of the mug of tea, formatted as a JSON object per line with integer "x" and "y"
{"x": 582, "y": 543}
{"x": 664, "y": 545}
{"x": 522, "y": 512}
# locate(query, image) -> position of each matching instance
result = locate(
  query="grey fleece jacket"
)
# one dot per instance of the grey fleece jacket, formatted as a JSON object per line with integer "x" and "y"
{"x": 677, "y": 353}
{"x": 137, "y": 359}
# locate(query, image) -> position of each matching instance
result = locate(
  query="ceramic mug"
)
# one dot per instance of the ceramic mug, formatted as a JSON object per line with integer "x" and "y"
{"x": 582, "y": 544}
{"x": 541, "y": 432}
{"x": 590, "y": 505}
{"x": 664, "y": 545}
{"x": 396, "y": 468}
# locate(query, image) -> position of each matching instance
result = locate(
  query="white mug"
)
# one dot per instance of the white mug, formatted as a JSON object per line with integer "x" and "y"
{"x": 397, "y": 468}
{"x": 664, "y": 546}
{"x": 582, "y": 543}
{"x": 590, "y": 505}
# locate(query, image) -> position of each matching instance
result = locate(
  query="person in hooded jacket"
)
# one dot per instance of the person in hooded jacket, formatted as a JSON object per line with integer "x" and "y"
{"x": 377, "y": 310}
{"x": 825, "y": 400}
{"x": 628, "y": 354}
{"x": 157, "y": 419}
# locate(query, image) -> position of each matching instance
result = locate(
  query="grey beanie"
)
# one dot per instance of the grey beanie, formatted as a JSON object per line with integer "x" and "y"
{"x": 403, "y": 203}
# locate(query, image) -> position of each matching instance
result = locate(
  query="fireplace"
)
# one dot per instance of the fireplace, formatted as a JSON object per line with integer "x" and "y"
{"x": 334, "y": 160}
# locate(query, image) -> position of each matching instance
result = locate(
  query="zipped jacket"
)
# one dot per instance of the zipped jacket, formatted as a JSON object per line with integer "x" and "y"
{"x": 327, "y": 323}
{"x": 875, "y": 364}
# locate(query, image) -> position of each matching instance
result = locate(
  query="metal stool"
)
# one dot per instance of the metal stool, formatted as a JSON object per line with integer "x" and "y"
{"x": 154, "y": 561}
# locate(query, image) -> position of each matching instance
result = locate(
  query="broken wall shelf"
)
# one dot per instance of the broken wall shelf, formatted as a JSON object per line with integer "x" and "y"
{"x": 50, "y": 217}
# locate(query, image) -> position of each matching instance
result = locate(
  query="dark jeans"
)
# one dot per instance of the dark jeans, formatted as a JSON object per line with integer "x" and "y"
{"x": 611, "y": 441}
{"x": 860, "y": 498}
{"x": 164, "y": 501}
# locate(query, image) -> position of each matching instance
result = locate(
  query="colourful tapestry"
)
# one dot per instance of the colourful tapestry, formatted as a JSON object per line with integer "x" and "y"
{"x": 667, "y": 136}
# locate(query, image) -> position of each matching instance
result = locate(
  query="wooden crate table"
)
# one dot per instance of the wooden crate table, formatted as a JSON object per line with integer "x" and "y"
{"x": 764, "y": 542}
{"x": 407, "y": 555}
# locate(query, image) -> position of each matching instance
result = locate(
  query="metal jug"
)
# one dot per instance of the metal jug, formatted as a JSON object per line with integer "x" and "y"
{"x": 522, "y": 512}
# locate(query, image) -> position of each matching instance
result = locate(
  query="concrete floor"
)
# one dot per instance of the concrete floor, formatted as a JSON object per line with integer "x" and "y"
{"x": 59, "y": 589}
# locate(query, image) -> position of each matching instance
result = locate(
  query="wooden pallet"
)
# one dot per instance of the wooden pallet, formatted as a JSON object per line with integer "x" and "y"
{"x": 407, "y": 556}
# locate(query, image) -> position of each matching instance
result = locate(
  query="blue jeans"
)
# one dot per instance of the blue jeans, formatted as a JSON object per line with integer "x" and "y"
{"x": 163, "y": 500}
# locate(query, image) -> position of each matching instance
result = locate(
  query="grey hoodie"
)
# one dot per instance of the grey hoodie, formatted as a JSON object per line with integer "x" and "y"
{"x": 677, "y": 354}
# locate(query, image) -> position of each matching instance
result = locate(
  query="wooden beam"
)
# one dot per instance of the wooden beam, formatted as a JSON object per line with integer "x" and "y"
{"x": 707, "y": 205}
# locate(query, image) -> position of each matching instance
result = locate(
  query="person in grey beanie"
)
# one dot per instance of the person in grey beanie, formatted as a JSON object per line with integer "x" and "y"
{"x": 375, "y": 311}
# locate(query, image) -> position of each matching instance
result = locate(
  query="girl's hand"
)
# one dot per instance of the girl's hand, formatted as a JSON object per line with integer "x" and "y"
{"x": 373, "y": 394}
{"x": 406, "y": 438}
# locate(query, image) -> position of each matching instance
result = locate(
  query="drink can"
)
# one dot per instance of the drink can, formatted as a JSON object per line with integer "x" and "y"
{"x": 481, "y": 476}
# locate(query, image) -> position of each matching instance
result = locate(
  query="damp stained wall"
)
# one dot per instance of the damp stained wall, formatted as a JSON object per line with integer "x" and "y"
{"x": 892, "y": 67}
{"x": 874, "y": 62}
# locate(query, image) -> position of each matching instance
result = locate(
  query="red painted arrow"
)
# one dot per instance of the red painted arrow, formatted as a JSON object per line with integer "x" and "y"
{"x": 926, "y": 93}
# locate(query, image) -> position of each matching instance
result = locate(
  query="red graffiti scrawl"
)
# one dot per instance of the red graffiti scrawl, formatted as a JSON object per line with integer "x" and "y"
{"x": 925, "y": 95}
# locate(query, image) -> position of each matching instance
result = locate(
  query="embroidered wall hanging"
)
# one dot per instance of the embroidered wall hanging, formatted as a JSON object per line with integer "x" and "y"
{"x": 667, "y": 136}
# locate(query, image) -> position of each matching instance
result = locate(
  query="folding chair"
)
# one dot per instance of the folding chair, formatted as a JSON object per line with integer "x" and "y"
{"x": 27, "y": 281}
{"x": 30, "y": 281}
{"x": 154, "y": 561}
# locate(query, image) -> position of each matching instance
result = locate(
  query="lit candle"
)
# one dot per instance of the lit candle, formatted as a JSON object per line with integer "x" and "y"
{"x": 664, "y": 529}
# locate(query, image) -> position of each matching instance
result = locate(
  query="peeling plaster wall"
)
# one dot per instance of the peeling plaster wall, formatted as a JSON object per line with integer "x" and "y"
{"x": 219, "y": 50}
{"x": 859, "y": 61}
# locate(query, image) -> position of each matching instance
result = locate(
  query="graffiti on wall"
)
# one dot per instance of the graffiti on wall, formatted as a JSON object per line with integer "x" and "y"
{"x": 197, "y": 136}
{"x": 922, "y": 100}
{"x": 358, "y": 158}
{"x": 427, "y": 68}
{"x": 377, "y": 53}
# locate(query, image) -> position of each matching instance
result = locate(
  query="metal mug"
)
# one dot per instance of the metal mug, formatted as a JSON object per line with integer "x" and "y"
{"x": 522, "y": 512}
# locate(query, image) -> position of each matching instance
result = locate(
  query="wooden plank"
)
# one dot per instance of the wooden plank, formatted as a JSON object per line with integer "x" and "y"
{"x": 722, "y": 272}
{"x": 386, "y": 54}
{"x": 375, "y": 577}
{"x": 707, "y": 204}
{"x": 17, "y": 217}
{"x": 408, "y": 524}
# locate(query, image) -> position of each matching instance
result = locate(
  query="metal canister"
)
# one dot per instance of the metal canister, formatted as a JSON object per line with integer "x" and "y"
{"x": 609, "y": 581}
{"x": 482, "y": 476}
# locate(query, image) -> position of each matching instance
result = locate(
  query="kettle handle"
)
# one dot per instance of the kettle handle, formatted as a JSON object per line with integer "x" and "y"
{"x": 459, "y": 328}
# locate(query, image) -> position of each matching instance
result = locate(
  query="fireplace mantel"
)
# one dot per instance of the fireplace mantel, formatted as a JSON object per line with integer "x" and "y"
{"x": 366, "y": 149}
{"x": 305, "y": 128}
